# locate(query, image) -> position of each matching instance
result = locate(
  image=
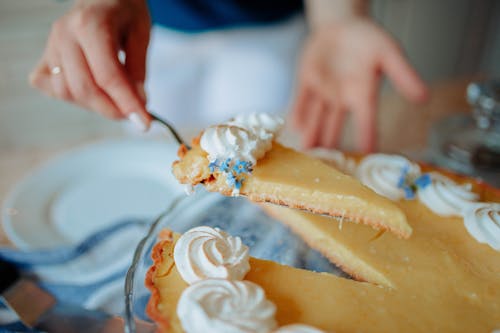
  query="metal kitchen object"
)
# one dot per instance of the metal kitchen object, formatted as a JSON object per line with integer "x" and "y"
{"x": 469, "y": 143}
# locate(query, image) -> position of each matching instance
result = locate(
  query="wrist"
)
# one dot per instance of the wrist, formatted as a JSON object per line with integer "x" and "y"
{"x": 322, "y": 13}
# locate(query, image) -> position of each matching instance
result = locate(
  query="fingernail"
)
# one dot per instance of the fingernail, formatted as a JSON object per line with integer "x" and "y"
{"x": 135, "y": 119}
{"x": 141, "y": 91}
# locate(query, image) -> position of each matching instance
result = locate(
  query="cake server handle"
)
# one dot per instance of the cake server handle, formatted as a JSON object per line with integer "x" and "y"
{"x": 172, "y": 130}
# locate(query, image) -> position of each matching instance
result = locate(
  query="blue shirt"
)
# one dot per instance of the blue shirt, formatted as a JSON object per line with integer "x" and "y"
{"x": 201, "y": 15}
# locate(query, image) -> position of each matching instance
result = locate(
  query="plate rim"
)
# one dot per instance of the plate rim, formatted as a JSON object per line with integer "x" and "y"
{"x": 16, "y": 189}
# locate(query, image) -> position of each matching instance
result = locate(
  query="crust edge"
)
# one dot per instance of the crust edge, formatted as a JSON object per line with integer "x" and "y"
{"x": 166, "y": 236}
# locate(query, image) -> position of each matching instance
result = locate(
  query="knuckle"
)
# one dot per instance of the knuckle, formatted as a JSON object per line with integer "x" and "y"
{"x": 60, "y": 90}
{"x": 106, "y": 109}
{"x": 82, "y": 19}
{"x": 110, "y": 80}
{"x": 57, "y": 31}
{"x": 34, "y": 79}
{"x": 114, "y": 115}
{"x": 83, "y": 91}
{"x": 63, "y": 93}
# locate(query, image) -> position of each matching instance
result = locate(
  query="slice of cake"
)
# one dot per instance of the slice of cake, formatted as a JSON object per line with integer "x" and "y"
{"x": 242, "y": 158}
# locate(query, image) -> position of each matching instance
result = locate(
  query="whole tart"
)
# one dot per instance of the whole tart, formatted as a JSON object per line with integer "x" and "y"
{"x": 441, "y": 279}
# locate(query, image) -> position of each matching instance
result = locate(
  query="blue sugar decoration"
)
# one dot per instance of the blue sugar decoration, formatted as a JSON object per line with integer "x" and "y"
{"x": 240, "y": 167}
{"x": 225, "y": 166}
{"x": 213, "y": 166}
{"x": 233, "y": 171}
{"x": 423, "y": 181}
{"x": 231, "y": 180}
{"x": 402, "y": 177}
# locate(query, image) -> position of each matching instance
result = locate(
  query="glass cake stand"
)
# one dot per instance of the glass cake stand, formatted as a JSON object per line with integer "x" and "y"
{"x": 469, "y": 143}
{"x": 266, "y": 238}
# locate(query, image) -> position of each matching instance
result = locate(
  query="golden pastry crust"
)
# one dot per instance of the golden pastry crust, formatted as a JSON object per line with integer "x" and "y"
{"x": 323, "y": 248}
{"x": 157, "y": 254}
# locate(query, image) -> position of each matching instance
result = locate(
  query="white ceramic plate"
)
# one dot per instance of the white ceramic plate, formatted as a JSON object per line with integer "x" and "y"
{"x": 89, "y": 188}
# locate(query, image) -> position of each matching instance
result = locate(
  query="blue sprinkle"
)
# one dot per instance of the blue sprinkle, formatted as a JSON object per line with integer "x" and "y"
{"x": 402, "y": 177}
{"x": 242, "y": 167}
{"x": 423, "y": 181}
{"x": 224, "y": 167}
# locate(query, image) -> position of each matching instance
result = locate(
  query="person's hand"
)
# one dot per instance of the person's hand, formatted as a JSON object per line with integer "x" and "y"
{"x": 340, "y": 71}
{"x": 80, "y": 63}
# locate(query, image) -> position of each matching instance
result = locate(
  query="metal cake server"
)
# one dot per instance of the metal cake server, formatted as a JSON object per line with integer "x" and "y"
{"x": 172, "y": 130}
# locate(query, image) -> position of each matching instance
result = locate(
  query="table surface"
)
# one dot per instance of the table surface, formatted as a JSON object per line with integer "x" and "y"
{"x": 403, "y": 127}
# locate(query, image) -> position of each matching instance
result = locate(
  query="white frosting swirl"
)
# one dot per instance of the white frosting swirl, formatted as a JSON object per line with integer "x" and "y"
{"x": 344, "y": 164}
{"x": 222, "y": 306}
{"x": 226, "y": 141}
{"x": 382, "y": 172}
{"x": 204, "y": 252}
{"x": 482, "y": 221}
{"x": 263, "y": 125}
{"x": 445, "y": 197}
{"x": 298, "y": 328}
{"x": 246, "y": 137}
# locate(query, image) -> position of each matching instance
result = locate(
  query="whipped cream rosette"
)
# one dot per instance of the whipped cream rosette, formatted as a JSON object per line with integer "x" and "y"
{"x": 263, "y": 125}
{"x": 204, "y": 252}
{"x": 233, "y": 148}
{"x": 445, "y": 197}
{"x": 244, "y": 138}
{"x": 213, "y": 262}
{"x": 382, "y": 173}
{"x": 224, "y": 142}
{"x": 482, "y": 221}
{"x": 223, "y": 306}
{"x": 345, "y": 164}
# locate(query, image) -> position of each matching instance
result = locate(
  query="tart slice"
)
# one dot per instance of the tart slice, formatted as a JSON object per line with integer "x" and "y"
{"x": 242, "y": 158}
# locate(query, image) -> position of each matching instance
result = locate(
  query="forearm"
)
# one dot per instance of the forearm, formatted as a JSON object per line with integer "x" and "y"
{"x": 320, "y": 12}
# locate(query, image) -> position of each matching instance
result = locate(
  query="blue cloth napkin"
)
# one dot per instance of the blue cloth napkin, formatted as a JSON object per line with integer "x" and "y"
{"x": 90, "y": 273}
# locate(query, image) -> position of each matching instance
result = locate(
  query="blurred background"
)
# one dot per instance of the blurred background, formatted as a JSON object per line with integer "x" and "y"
{"x": 126, "y": 184}
{"x": 450, "y": 42}
{"x": 445, "y": 40}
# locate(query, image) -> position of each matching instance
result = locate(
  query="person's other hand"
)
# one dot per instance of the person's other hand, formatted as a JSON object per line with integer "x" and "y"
{"x": 80, "y": 63}
{"x": 340, "y": 71}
